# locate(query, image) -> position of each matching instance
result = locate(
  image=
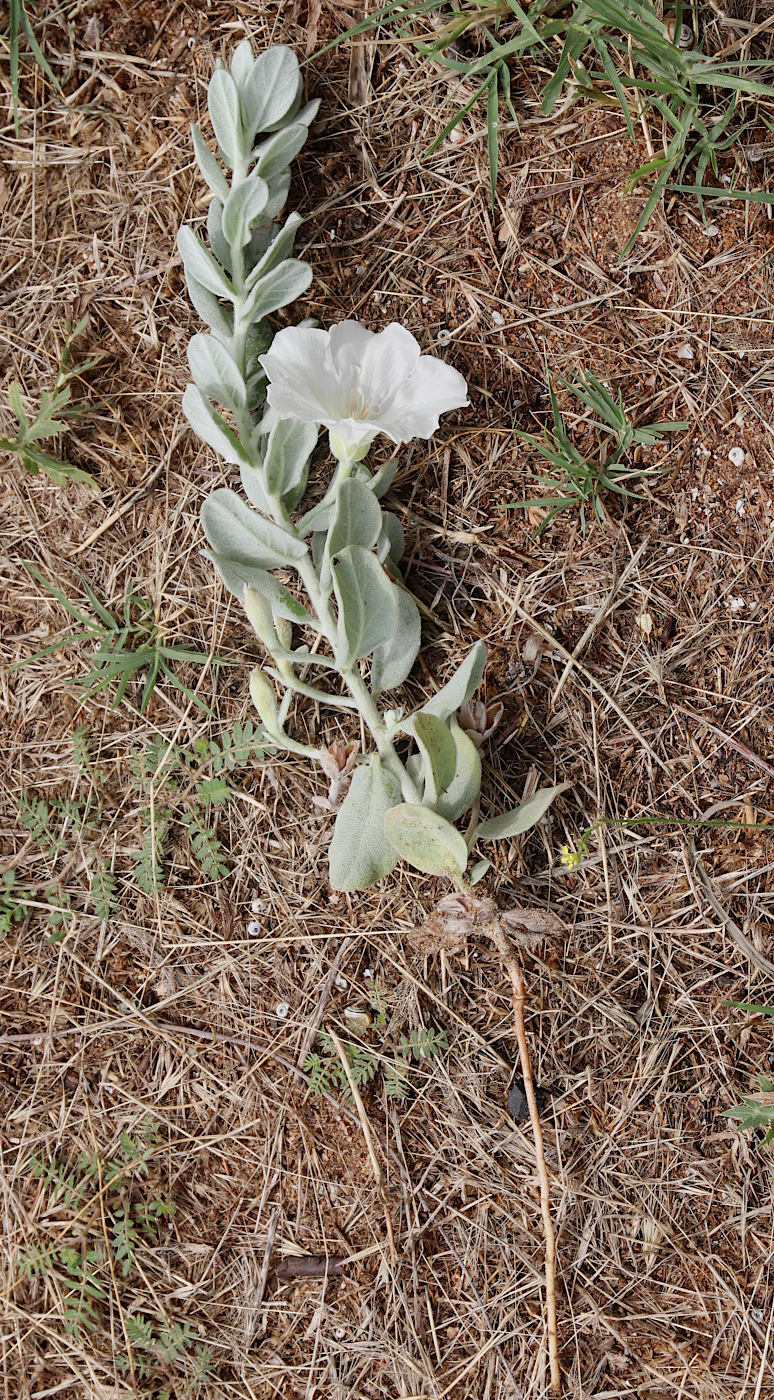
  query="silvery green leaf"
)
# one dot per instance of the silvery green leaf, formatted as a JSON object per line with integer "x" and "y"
{"x": 277, "y": 288}
{"x": 254, "y": 487}
{"x": 272, "y": 88}
{"x": 279, "y": 246}
{"x": 242, "y": 63}
{"x": 521, "y": 818}
{"x": 318, "y": 547}
{"x": 466, "y": 783}
{"x": 202, "y": 265}
{"x": 459, "y": 689}
{"x": 219, "y": 318}
{"x": 391, "y": 539}
{"x": 239, "y": 533}
{"x": 209, "y": 165}
{"x": 245, "y": 204}
{"x": 392, "y": 661}
{"x": 360, "y": 853}
{"x": 382, "y": 481}
{"x": 236, "y": 575}
{"x": 218, "y": 243}
{"x": 479, "y": 871}
{"x": 425, "y": 840}
{"x": 223, "y": 102}
{"x": 211, "y": 427}
{"x": 308, "y": 112}
{"x": 215, "y": 372}
{"x": 318, "y": 518}
{"x": 357, "y": 518}
{"x": 287, "y": 456}
{"x": 275, "y": 154}
{"x": 368, "y": 609}
{"x": 439, "y": 755}
{"x": 279, "y": 188}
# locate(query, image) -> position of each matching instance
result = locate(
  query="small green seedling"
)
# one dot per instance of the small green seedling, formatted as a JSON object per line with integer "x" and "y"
{"x": 54, "y": 414}
{"x": 581, "y": 483}
{"x": 755, "y": 1110}
{"x": 128, "y": 645}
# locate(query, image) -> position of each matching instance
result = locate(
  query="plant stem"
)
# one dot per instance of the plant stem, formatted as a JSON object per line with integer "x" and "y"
{"x": 355, "y": 684}
{"x": 505, "y": 949}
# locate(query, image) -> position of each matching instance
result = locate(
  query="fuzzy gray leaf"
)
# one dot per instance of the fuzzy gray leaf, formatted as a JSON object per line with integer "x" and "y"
{"x": 242, "y": 63}
{"x": 425, "y": 840}
{"x": 209, "y": 165}
{"x": 279, "y": 246}
{"x": 521, "y": 818}
{"x": 274, "y": 156}
{"x": 280, "y": 286}
{"x": 200, "y": 264}
{"x": 218, "y": 318}
{"x": 287, "y": 457}
{"x": 465, "y": 786}
{"x": 465, "y": 680}
{"x": 272, "y": 88}
{"x": 393, "y": 660}
{"x": 236, "y": 575}
{"x": 236, "y": 532}
{"x": 279, "y": 188}
{"x": 215, "y": 373}
{"x": 214, "y": 430}
{"x": 223, "y": 103}
{"x": 357, "y": 518}
{"x": 439, "y": 754}
{"x": 391, "y": 540}
{"x": 368, "y": 609}
{"x": 244, "y": 206}
{"x": 215, "y": 234}
{"x": 360, "y": 853}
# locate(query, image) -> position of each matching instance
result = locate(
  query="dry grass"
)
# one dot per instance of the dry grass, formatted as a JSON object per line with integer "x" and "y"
{"x": 166, "y": 1011}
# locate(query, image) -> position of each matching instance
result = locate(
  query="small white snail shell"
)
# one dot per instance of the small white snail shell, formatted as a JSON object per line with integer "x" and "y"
{"x": 685, "y": 36}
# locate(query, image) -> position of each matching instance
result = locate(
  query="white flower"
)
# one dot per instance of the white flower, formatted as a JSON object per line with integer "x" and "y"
{"x": 359, "y": 383}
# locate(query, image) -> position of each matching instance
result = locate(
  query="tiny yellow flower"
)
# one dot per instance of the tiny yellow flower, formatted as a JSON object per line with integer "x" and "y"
{"x": 570, "y": 858}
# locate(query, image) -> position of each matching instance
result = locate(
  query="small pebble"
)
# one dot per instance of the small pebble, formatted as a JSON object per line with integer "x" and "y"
{"x": 498, "y": 318}
{"x": 740, "y": 510}
{"x": 684, "y": 352}
{"x": 736, "y": 455}
{"x": 736, "y": 604}
{"x": 711, "y": 231}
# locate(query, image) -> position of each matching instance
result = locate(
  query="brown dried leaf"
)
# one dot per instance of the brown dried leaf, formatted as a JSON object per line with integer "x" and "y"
{"x": 455, "y": 918}
{"x": 540, "y": 923}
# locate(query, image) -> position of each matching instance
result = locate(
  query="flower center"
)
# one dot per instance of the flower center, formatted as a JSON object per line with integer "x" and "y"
{"x": 357, "y": 407}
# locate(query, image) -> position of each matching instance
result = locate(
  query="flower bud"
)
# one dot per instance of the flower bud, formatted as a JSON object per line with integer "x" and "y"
{"x": 265, "y": 701}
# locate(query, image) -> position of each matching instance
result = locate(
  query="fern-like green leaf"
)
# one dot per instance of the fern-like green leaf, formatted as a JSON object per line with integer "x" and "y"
{"x": 206, "y": 848}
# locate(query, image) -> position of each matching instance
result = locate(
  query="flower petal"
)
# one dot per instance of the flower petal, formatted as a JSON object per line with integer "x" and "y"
{"x": 349, "y": 342}
{"x": 303, "y": 383}
{"x": 433, "y": 388}
{"x": 388, "y": 361}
